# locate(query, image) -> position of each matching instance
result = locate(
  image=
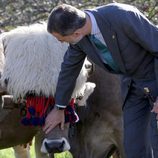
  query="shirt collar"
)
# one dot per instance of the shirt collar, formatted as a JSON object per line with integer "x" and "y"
{"x": 95, "y": 29}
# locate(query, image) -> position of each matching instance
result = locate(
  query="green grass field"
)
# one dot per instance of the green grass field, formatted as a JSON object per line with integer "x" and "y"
{"x": 9, "y": 153}
{"x": 6, "y": 153}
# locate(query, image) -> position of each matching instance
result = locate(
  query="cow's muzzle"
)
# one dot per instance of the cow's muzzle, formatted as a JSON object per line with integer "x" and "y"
{"x": 55, "y": 145}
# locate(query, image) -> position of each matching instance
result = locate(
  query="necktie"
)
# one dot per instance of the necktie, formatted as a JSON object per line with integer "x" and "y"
{"x": 105, "y": 54}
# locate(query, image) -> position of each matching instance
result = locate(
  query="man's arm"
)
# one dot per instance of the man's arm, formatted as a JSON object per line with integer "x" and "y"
{"x": 70, "y": 69}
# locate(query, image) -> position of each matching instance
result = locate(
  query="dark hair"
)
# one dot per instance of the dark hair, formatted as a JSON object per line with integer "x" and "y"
{"x": 65, "y": 19}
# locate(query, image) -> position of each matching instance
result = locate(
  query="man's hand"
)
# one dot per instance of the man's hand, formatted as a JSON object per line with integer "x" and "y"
{"x": 54, "y": 118}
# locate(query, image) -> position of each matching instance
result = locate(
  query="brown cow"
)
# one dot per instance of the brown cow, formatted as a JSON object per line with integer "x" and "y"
{"x": 30, "y": 61}
{"x": 99, "y": 132}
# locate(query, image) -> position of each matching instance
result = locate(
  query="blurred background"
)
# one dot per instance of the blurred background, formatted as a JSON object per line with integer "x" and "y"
{"x": 23, "y": 12}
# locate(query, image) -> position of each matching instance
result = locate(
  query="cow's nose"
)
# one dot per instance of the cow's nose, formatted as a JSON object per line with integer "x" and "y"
{"x": 55, "y": 146}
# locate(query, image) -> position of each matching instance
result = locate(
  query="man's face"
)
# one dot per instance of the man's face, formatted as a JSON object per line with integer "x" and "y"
{"x": 73, "y": 38}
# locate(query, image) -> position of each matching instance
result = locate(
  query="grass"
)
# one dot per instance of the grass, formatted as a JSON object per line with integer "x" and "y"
{"x": 63, "y": 155}
{"x": 6, "y": 153}
{"x": 9, "y": 153}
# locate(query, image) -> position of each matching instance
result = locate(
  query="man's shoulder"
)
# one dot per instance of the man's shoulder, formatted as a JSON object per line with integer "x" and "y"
{"x": 117, "y": 6}
{"x": 114, "y": 8}
{"x": 114, "y": 13}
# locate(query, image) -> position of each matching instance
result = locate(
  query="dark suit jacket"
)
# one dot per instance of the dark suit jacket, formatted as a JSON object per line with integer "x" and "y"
{"x": 130, "y": 37}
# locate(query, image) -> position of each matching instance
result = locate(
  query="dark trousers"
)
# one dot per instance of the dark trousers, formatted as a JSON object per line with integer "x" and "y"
{"x": 140, "y": 127}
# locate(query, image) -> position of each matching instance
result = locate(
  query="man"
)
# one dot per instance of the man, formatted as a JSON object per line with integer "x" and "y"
{"x": 128, "y": 45}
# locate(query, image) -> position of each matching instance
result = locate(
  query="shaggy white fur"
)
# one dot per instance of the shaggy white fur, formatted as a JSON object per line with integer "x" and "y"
{"x": 32, "y": 61}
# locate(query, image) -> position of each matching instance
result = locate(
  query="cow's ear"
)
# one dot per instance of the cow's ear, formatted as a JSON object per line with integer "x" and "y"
{"x": 88, "y": 90}
{"x": 4, "y": 44}
{"x": 2, "y": 58}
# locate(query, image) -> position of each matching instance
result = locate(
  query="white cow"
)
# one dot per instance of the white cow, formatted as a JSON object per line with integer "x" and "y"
{"x": 30, "y": 60}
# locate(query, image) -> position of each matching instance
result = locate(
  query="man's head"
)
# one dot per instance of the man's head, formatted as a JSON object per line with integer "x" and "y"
{"x": 66, "y": 23}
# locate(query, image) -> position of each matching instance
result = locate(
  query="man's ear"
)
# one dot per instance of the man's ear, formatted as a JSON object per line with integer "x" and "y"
{"x": 77, "y": 33}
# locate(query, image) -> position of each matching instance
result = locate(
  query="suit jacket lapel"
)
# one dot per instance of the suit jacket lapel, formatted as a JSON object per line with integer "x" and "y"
{"x": 110, "y": 38}
{"x": 92, "y": 52}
